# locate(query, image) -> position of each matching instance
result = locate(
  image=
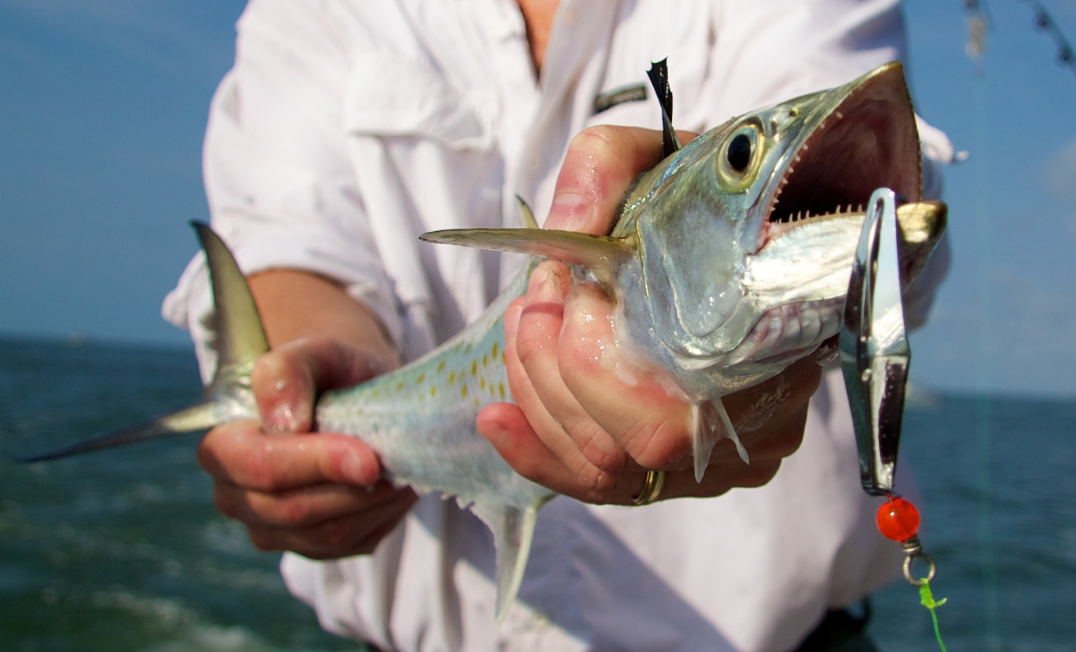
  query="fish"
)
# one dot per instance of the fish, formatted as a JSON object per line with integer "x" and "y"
{"x": 729, "y": 261}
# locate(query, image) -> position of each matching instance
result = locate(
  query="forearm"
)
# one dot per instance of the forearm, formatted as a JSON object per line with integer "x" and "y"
{"x": 297, "y": 305}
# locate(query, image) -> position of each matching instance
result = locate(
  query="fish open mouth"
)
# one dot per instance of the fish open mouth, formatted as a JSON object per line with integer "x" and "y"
{"x": 868, "y": 141}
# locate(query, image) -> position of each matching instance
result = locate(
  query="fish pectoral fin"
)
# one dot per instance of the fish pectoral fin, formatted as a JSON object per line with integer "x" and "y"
{"x": 705, "y": 416}
{"x": 599, "y": 254}
{"x": 197, "y": 417}
{"x": 513, "y": 531}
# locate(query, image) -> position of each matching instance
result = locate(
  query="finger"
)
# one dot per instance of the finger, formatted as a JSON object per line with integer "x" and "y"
{"x": 302, "y": 508}
{"x": 560, "y": 420}
{"x": 647, "y": 414}
{"x": 285, "y": 380}
{"x": 508, "y": 430}
{"x": 241, "y": 454}
{"x": 353, "y": 534}
{"x": 601, "y": 164}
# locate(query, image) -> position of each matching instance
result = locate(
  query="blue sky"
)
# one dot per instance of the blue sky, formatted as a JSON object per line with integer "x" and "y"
{"x": 103, "y": 104}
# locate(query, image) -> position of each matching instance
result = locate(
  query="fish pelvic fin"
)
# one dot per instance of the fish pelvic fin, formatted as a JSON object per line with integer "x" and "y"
{"x": 241, "y": 340}
{"x": 513, "y": 531}
{"x": 705, "y": 416}
{"x": 601, "y": 255}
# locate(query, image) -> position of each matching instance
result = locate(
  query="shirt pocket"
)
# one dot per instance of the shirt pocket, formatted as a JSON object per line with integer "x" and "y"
{"x": 394, "y": 96}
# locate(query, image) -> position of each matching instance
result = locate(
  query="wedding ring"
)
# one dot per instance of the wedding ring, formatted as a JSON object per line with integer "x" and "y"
{"x": 652, "y": 486}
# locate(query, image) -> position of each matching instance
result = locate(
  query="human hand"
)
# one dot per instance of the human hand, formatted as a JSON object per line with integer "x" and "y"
{"x": 317, "y": 494}
{"x": 589, "y": 423}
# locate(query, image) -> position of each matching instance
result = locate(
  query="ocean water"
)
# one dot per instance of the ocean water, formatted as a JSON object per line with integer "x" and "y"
{"x": 122, "y": 550}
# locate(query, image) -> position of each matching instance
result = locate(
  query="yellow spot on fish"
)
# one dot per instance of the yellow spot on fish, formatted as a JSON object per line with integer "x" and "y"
{"x": 502, "y": 359}
{"x": 441, "y": 367}
{"x": 485, "y": 360}
{"x": 491, "y": 392}
{"x": 451, "y": 377}
{"x": 377, "y": 392}
{"x": 500, "y": 390}
{"x": 463, "y": 392}
{"x": 474, "y": 367}
{"x": 494, "y": 349}
{"x": 421, "y": 377}
{"x": 433, "y": 391}
{"x": 476, "y": 401}
{"x": 482, "y": 382}
{"x": 399, "y": 388}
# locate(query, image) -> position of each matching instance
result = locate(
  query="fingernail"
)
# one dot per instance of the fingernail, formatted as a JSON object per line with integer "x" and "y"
{"x": 538, "y": 278}
{"x": 282, "y": 418}
{"x": 570, "y": 212}
{"x": 545, "y": 286}
{"x": 355, "y": 469}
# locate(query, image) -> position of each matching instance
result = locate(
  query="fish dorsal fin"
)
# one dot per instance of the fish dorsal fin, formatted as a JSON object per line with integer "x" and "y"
{"x": 526, "y": 214}
{"x": 513, "y": 531}
{"x": 599, "y": 254}
{"x": 659, "y": 79}
{"x": 240, "y": 335}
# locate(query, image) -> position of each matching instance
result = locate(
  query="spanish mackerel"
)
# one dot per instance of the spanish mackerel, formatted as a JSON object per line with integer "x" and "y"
{"x": 729, "y": 261}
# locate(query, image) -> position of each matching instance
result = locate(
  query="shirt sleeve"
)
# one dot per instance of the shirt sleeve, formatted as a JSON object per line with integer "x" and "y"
{"x": 278, "y": 178}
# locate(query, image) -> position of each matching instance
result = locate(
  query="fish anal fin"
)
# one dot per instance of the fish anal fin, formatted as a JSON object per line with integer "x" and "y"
{"x": 705, "y": 416}
{"x": 513, "y": 531}
{"x": 601, "y": 255}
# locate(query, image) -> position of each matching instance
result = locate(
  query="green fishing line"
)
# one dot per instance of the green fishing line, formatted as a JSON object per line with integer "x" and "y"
{"x": 926, "y": 596}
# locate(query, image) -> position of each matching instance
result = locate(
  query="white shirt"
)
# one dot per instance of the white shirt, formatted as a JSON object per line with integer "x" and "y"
{"x": 348, "y": 128}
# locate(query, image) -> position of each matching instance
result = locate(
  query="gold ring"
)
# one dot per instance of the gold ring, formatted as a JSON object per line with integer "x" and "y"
{"x": 652, "y": 486}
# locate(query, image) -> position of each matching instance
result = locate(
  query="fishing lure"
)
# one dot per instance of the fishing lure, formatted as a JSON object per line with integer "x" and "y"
{"x": 875, "y": 355}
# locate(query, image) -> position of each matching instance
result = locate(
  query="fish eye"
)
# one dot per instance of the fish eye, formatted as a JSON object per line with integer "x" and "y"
{"x": 739, "y": 152}
{"x": 738, "y": 164}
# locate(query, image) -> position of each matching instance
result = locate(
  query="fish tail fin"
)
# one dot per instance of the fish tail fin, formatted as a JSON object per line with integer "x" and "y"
{"x": 241, "y": 339}
{"x": 513, "y": 531}
{"x": 704, "y": 433}
{"x": 196, "y": 417}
